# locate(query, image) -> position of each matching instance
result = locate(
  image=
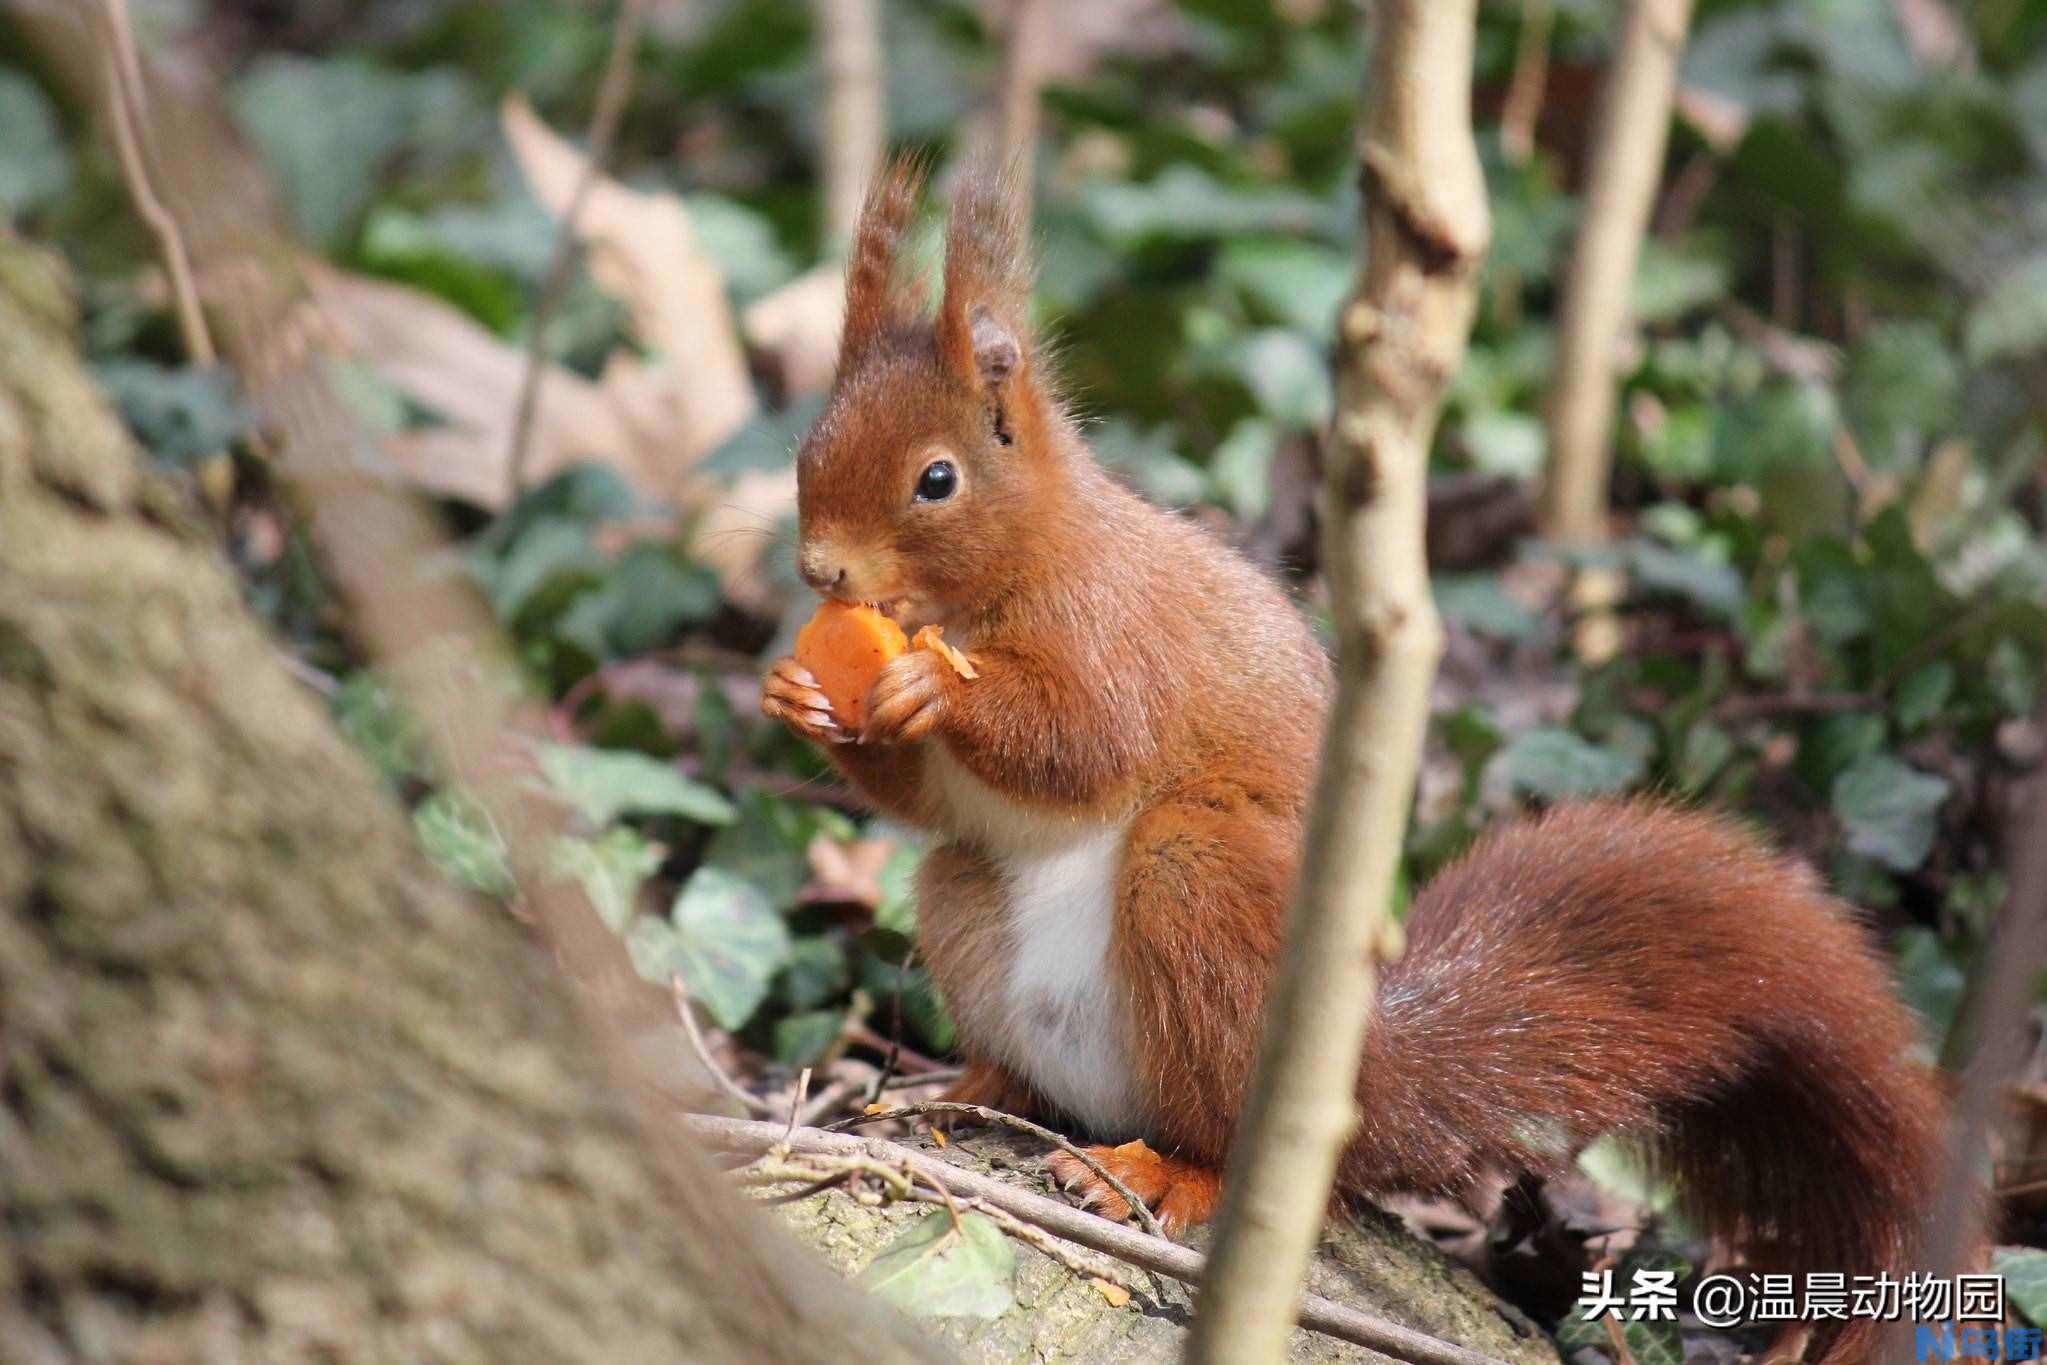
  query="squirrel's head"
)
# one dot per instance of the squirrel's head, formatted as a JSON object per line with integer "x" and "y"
{"x": 938, "y": 452}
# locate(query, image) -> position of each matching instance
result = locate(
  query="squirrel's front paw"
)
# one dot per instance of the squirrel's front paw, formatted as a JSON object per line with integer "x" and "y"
{"x": 790, "y": 694}
{"x": 909, "y": 698}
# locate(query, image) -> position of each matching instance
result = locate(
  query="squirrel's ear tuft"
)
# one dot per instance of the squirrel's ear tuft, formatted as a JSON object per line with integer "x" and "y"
{"x": 878, "y": 300}
{"x": 983, "y": 324}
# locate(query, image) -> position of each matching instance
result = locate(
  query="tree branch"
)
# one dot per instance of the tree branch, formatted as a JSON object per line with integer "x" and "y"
{"x": 1023, "y": 79}
{"x": 1954, "y": 1233}
{"x": 855, "y": 121}
{"x": 1627, "y": 162}
{"x": 1404, "y": 333}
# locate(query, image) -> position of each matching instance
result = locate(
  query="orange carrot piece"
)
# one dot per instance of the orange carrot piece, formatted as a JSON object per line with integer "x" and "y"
{"x": 845, "y": 646}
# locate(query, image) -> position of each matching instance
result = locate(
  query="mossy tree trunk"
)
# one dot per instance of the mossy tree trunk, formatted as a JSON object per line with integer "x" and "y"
{"x": 269, "y": 1089}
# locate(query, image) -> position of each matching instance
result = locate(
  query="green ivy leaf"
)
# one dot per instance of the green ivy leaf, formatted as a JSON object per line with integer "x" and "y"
{"x": 728, "y": 944}
{"x": 643, "y": 601}
{"x": 767, "y": 441}
{"x": 1930, "y": 979}
{"x": 2011, "y": 316}
{"x": 34, "y": 167}
{"x": 802, "y": 1039}
{"x": 549, "y": 551}
{"x": 1923, "y": 693}
{"x": 2025, "y": 1281}
{"x": 1240, "y": 467}
{"x": 1286, "y": 374}
{"x": 611, "y": 869}
{"x": 1674, "y": 280}
{"x": 1903, "y": 386}
{"x": 1186, "y": 204}
{"x": 769, "y": 843}
{"x": 375, "y": 724}
{"x": 1889, "y": 810}
{"x": 326, "y": 128}
{"x": 603, "y": 784}
{"x": 1476, "y": 601}
{"x": 743, "y": 243}
{"x": 817, "y": 971}
{"x": 1506, "y": 443}
{"x": 457, "y": 834}
{"x": 898, "y": 908}
{"x": 1555, "y": 763}
{"x": 1650, "y": 1342}
{"x": 935, "y": 1271}
{"x": 1147, "y": 459}
{"x": 180, "y": 414}
{"x": 1707, "y": 583}
{"x": 1707, "y": 749}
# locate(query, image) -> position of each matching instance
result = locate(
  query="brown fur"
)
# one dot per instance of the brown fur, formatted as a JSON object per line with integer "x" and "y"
{"x": 1610, "y": 968}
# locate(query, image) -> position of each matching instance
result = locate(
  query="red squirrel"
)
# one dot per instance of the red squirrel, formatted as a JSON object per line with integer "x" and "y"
{"x": 1115, "y": 805}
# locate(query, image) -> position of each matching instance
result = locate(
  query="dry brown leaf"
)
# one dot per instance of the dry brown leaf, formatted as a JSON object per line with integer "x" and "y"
{"x": 1116, "y": 1294}
{"x": 847, "y": 872}
{"x": 932, "y": 639}
{"x": 651, "y": 418}
{"x": 1721, "y": 120}
{"x": 796, "y": 329}
{"x": 446, "y": 362}
{"x": 642, "y": 250}
{"x": 693, "y": 389}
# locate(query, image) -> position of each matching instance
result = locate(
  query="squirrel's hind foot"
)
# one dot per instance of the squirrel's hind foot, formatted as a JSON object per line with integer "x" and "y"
{"x": 1180, "y": 1194}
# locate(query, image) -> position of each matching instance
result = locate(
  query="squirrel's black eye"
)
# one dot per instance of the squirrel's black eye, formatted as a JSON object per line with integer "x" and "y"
{"x": 938, "y": 481}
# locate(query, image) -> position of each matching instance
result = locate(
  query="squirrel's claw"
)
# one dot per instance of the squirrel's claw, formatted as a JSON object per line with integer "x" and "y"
{"x": 1180, "y": 1193}
{"x": 908, "y": 699}
{"x": 790, "y": 695}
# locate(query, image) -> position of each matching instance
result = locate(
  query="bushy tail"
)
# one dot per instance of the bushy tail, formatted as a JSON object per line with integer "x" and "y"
{"x": 1636, "y": 969}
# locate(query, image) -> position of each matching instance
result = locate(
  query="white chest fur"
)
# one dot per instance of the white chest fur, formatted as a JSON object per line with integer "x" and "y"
{"x": 1064, "y": 1021}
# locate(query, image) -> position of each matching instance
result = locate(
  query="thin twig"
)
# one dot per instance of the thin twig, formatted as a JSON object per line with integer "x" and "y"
{"x": 1768, "y": 704}
{"x": 944, "y": 1075}
{"x": 1021, "y": 92}
{"x": 855, "y": 109}
{"x": 828, "y": 1101}
{"x": 1529, "y": 83}
{"x": 753, "y": 1103}
{"x": 895, "y": 1028}
{"x": 1618, "y": 1340}
{"x": 1032, "y": 1235}
{"x": 796, "y": 1101}
{"x": 125, "y": 104}
{"x": 908, "y": 1058}
{"x": 951, "y": 1206}
{"x": 1022, "y": 1125}
{"x": 1126, "y": 1244}
{"x": 612, "y": 93}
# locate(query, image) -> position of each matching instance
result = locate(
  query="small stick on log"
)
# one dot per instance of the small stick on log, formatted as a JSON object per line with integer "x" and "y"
{"x": 1089, "y": 1230}
{"x": 1022, "y": 1125}
{"x": 753, "y": 1103}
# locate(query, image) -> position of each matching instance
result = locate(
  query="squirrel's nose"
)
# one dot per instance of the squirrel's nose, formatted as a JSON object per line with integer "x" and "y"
{"x": 826, "y": 578}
